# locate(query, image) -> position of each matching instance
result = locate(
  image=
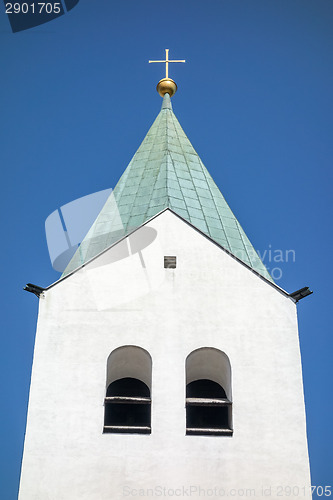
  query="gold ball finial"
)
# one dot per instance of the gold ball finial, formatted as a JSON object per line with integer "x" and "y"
{"x": 166, "y": 86}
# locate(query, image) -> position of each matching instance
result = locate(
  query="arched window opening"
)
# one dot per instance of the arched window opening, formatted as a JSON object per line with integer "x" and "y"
{"x": 208, "y": 393}
{"x": 128, "y": 401}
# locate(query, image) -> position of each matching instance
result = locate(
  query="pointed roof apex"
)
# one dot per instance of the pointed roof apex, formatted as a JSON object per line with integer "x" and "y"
{"x": 167, "y": 173}
{"x": 166, "y": 104}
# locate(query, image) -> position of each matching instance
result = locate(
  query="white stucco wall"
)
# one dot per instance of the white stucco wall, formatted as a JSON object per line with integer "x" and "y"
{"x": 208, "y": 300}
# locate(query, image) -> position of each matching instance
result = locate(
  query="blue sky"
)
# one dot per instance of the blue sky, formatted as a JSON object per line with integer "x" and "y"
{"x": 255, "y": 99}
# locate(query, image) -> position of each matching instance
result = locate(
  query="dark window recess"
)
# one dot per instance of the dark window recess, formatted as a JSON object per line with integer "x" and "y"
{"x": 170, "y": 262}
{"x": 205, "y": 388}
{"x": 208, "y": 410}
{"x": 128, "y": 387}
{"x": 127, "y": 407}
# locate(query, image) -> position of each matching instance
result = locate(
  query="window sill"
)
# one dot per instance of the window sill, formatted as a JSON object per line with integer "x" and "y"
{"x": 126, "y": 429}
{"x": 207, "y": 402}
{"x": 127, "y": 399}
{"x": 193, "y": 431}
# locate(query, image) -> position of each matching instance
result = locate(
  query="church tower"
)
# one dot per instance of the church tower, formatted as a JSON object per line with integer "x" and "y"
{"x": 167, "y": 361}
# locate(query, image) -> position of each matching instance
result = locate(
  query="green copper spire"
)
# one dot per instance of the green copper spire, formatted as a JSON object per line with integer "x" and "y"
{"x": 166, "y": 172}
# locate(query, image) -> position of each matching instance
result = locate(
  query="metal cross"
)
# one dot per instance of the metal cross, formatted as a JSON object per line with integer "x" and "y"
{"x": 166, "y": 61}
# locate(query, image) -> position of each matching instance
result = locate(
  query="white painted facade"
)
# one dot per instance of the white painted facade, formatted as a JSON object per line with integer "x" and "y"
{"x": 209, "y": 300}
